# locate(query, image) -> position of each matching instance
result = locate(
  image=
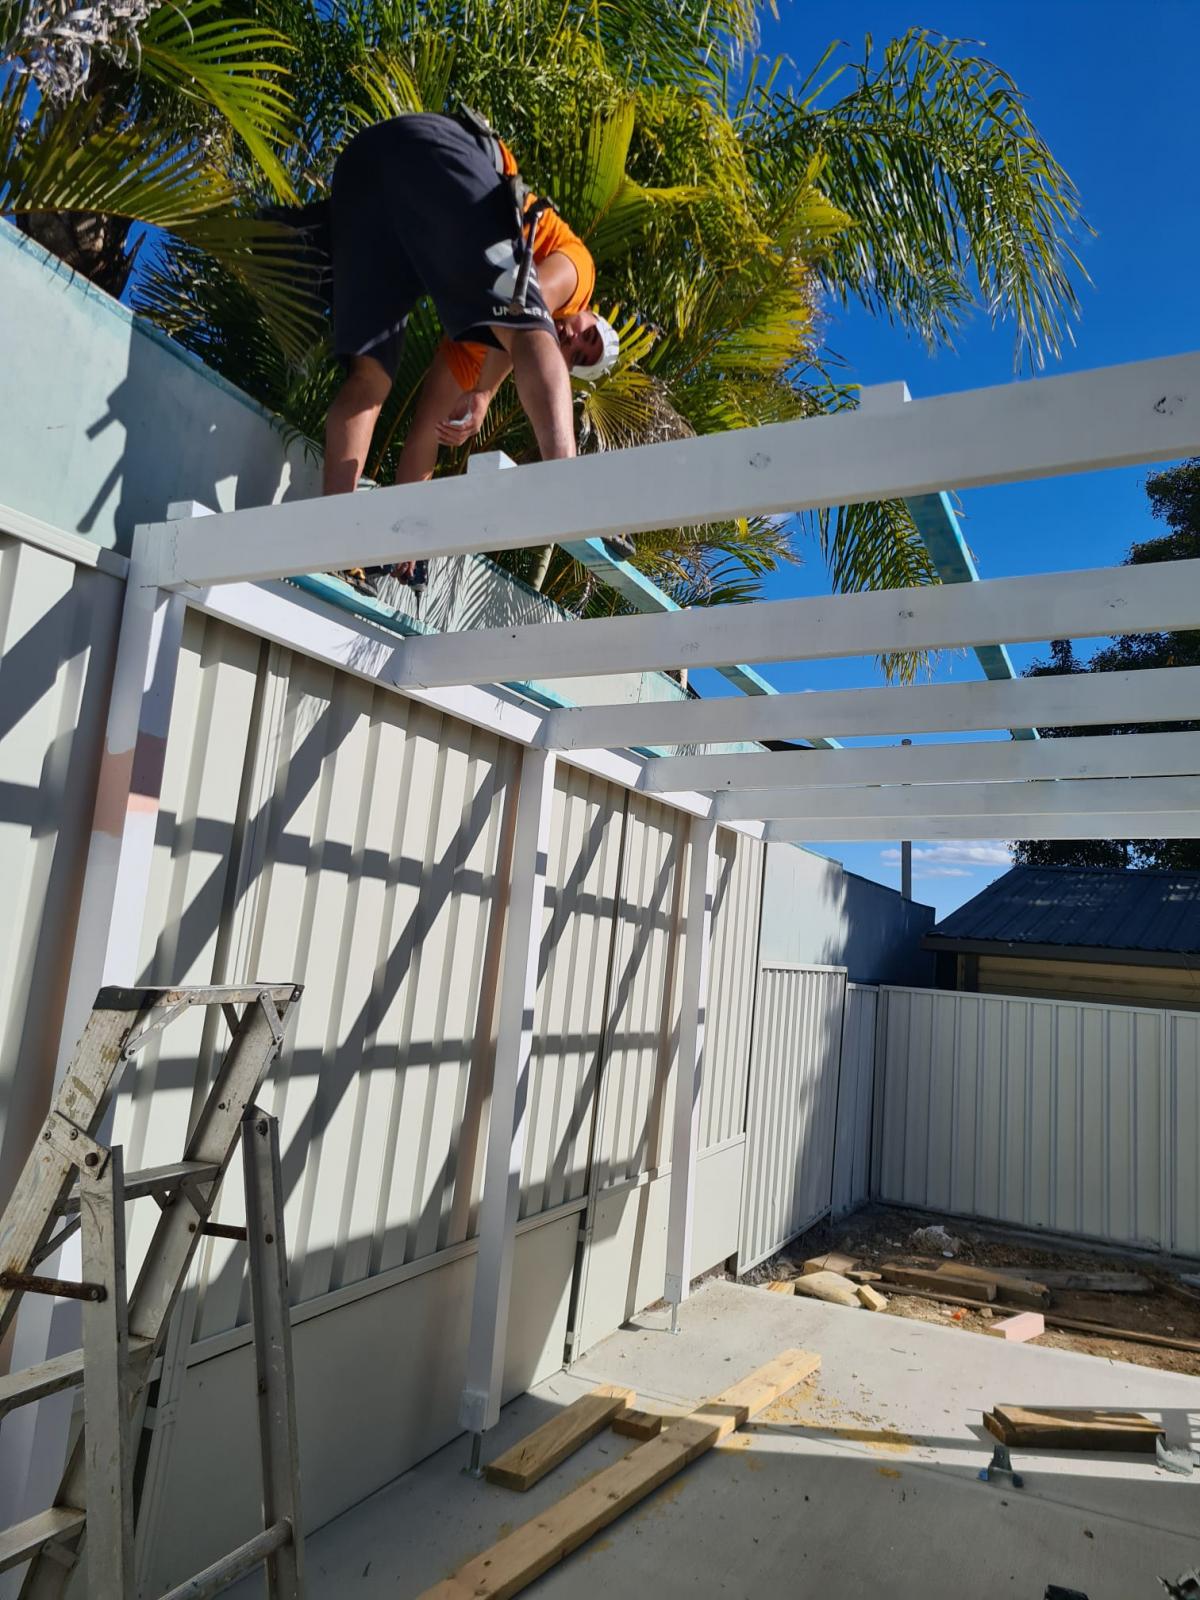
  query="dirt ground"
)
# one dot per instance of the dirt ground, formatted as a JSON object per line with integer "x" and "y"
{"x": 877, "y": 1234}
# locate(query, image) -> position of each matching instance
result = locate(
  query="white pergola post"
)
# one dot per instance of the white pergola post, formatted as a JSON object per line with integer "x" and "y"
{"x": 127, "y": 793}
{"x": 701, "y": 889}
{"x": 480, "y": 1404}
{"x": 107, "y": 943}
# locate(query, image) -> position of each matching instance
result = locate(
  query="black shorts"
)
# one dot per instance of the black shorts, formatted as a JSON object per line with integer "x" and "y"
{"x": 418, "y": 208}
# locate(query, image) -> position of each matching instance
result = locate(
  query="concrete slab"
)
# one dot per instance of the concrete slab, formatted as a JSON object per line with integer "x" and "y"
{"x": 862, "y": 1483}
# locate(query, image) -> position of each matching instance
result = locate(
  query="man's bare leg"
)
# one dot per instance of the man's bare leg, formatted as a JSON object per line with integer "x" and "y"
{"x": 544, "y": 388}
{"x": 351, "y": 423}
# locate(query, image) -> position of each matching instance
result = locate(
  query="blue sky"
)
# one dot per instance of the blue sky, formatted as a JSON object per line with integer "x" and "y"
{"x": 1112, "y": 89}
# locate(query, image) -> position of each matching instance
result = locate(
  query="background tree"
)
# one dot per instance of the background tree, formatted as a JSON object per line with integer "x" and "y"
{"x": 1174, "y": 496}
{"x": 726, "y": 199}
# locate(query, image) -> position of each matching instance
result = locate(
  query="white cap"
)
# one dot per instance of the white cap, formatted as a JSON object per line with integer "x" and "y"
{"x": 608, "y": 357}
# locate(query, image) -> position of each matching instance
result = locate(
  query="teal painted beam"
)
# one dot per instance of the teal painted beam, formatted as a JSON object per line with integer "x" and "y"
{"x": 942, "y": 536}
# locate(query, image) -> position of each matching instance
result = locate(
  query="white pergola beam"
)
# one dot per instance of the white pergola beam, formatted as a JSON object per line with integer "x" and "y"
{"x": 301, "y": 622}
{"x": 1101, "y": 825}
{"x": 1097, "y": 602}
{"x": 1115, "y": 416}
{"x": 1079, "y": 700}
{"x": 508, "y": 1112}
{"x": 739, "y": 781}
{"x": 685, "y": 1145}
{"x": 915, "y": 802}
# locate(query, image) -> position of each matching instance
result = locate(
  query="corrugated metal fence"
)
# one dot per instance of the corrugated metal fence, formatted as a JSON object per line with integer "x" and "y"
{"x": 1064, "y": 1115}
{"x": 315, "y": 826}
{"x": 792, "y": 1108}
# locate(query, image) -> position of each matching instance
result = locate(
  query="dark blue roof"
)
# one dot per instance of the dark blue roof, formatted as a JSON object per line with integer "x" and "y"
{"x": 1096, "y": 908}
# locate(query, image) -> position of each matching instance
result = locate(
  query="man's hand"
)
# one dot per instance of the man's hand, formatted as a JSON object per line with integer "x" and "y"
{"x": 465, "y": 421}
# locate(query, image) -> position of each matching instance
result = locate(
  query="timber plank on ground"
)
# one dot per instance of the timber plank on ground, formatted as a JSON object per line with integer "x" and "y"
{"x": 528, "y": 1461}
{"x": 1063, "y": 1428}
{"x": 514, "y": 1562}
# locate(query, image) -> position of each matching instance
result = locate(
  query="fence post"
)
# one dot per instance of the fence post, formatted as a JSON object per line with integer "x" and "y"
{"x": 507, "y": 1118}
{"x": 702, "y": 858}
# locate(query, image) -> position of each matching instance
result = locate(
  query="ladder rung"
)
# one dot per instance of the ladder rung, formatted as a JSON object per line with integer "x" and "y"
{"x": 25, "y": 1539}
{"x": 151, "y": 1179}
{"x": 48, "y": 1377}
{"x": 116, "y": 998}
{"x": 235, "y": 1565}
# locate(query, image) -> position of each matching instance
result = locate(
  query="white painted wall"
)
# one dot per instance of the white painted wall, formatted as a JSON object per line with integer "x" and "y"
{"x": 815, "y": 913}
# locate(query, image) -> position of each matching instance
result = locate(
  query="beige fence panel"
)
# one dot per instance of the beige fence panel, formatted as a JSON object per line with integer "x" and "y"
{"x": 1072, "y": 1116}
{"x": 792, "y": 1106}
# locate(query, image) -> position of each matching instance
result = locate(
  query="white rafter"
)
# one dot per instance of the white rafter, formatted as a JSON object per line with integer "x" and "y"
{"x": 1115, "y": 416}
{"x": 1093, "y": 603}
{"x": 1159, "y": 694}
{"x": 735, "y": 778}
{"x": 913, "y": 803}
{"x": 1095, "y": 825}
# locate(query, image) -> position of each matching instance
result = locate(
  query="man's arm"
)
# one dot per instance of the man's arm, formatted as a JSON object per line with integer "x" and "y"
{"x": 557, "y": 279}
{"x": 441, "y": 399}
{"x": 467, "y": 417}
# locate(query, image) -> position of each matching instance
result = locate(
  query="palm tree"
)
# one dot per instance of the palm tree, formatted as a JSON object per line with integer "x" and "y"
{"x": 119, "y": 123}
{"x": 726, "y": 200}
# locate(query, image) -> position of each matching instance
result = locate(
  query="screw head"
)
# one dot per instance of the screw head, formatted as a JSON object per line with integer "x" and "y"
{"x": 261, "y": 1127}
{"x": 74, "y": 1133}
{"x": 91, "y": 1159}
{"x": 269, "y": 1237}
{"x": 191, "y": 1227}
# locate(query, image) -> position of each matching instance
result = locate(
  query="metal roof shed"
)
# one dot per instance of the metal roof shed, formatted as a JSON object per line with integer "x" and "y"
{"x": 1067, "y": 931}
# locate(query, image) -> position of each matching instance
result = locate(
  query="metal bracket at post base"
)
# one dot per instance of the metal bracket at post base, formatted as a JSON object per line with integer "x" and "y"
{"x": 1000, "y": 1467}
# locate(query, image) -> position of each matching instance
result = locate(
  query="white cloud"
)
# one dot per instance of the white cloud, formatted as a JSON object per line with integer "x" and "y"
{"x": 920, "y": 871}
{"x": 988, "y": 853}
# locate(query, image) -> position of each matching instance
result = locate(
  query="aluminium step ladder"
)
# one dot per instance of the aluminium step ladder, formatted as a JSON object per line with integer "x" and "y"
{"x": 123, "y": 1337}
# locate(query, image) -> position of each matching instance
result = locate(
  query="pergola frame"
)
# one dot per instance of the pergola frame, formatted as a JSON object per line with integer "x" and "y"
{"x": 1127, "y": 786}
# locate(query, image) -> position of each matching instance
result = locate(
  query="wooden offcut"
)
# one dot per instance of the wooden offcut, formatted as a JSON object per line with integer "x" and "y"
{"x": 1013, "y": 1289}
{"x": 937, "y": 1282}
{"x": 1020, "y": 1327}
{"x": 782, "y": 1286}
{"x": 1063, "y": 1428}
{"x": 636, "y": 1424}
{"x": 871, "y": 1298}
{"x": 828, "y": 1286}
{"x": 1098, "y": 1330}
{"x": 541, "y": 1451}
{"x": 831, "y": 1261}
{"x": 514, "y": 1562}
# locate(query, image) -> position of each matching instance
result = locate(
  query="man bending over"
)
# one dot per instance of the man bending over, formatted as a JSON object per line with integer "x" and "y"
{"x": 428, "y": 204}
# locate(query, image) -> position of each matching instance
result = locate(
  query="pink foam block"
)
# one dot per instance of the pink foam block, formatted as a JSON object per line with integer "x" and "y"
{"x": 1025, "y": 1325}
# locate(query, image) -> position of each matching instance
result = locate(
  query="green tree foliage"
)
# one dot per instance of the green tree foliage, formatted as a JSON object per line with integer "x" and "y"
{"x": 1175, "y": 500}
{"x": 726, "y": 199}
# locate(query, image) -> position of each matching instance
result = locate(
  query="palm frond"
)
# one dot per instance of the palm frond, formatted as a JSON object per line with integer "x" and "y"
{"x": 260, "y": 256}
{"x": 76, "y": 160}
{"x": 954, "y": 193}
{"x": 231, "y": 65}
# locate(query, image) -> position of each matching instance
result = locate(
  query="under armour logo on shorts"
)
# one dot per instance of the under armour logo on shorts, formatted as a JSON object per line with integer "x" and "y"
{"x": 503, "y": 254}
